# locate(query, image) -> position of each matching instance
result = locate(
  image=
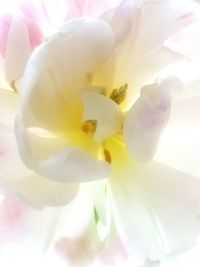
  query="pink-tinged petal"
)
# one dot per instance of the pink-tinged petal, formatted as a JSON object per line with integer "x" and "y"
{"x": 39, "y": 192}
{"x": 186, "y": 42}
{"x": 179, "y": 146}
{"x": 5, "y": 23}
{"x": 34, "y": 32}
{"x": 148, "y": 117}
{"x": 55, "y": 11}
{"x": 123, "y": 19}
{"x": 156, "y": 209}
{"x": 17, "y": 50}
{"x": 11, "y": 214}
{"x": 93, "y": 8}
{"x": 114, "y": 251}
{"x": 23, "y": 229}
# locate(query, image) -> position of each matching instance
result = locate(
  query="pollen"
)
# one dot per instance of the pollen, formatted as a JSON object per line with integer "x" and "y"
{"x": 118, "y": 95}
{"x": 107, "y": 155}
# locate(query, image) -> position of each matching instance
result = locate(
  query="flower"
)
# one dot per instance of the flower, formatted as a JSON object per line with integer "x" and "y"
{"x": 93, "y": 107}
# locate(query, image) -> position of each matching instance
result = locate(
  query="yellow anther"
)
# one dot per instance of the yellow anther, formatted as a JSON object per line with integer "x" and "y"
{"x": 118, "y": 95}
{"x": 107, "y": 155}
{"x": 88, "y": 126}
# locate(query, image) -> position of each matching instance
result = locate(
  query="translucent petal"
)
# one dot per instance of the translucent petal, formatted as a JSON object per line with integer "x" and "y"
{"x": 147, "y": 119}
{"x": 59, "y": 69}
{"x": 60, "y": 162}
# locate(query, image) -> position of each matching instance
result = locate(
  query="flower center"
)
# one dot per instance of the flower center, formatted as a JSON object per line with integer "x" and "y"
{"x": 102, "y": 117}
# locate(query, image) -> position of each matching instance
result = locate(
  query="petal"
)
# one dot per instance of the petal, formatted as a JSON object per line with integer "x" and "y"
{"x": 142, "y": 54}
{"x": 17, "y": 50}
{"x": 11, "y": 166}
{"x": 156, "y": 209}
{"x": 40, "y": 192}
{"x": 148, "y": 117}
{"x": 5, "y": 22}
{"x": 186, "y": 41}
{"x": 182, "y": 135}
{"x": 8, "y": 108}
{"x": 103, "y": 110}
{"x": 93, "y": 8}
{"x": 25, "y": 232}
{"x": 59, "y": 69}
{"x": 63, "y": 163}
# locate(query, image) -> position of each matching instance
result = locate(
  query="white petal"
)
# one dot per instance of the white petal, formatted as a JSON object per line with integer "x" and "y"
{"x": 11, "y": 165}
{"x": 64, "y": 164}
{"x": 179, "y": 146}
{"x": 147, "y": 119}
{"x": 59, "y": 69}
{"x": 103, "y": 110}
{"x": 186, "y": 41}
{"x": 142, "y": 54}
{"x": 8, "y": 108}
{"x": 40, "y": 192}
{"x": 156, "y": 208}
{"x": 17, "y": 50}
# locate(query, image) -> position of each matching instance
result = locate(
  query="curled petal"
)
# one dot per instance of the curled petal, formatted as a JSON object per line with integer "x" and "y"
{"x": 61, "y": 68}
{"x": 147, "y": 119}
{"x": 64, "y": 164}
{"x": 105, "y": 112}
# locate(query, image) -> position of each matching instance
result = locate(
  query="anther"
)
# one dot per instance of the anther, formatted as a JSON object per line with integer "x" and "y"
{"x": 88, "y": 126}
{"x": 118, "y": 95}
{"x": 107, "y": 155}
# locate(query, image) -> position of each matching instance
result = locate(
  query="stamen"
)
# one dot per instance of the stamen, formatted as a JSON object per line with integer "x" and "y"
{"x": 118, "y": 95}
{"x": 89, "y": 126}
{"x": 107, "y": 155}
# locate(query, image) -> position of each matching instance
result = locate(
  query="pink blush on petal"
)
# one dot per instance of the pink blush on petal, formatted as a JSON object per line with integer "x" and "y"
{"x": 34, "y": 32}
{"x": 5, "y": 23}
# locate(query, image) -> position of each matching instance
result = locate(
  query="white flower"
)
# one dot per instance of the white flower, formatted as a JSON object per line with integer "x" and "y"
{"x": 94, "y": 107}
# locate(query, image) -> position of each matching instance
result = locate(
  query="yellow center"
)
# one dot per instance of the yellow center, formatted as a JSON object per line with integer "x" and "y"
{"x": 102, "y": 149}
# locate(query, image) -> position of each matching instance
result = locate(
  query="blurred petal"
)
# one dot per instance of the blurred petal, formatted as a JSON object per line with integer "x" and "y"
{"x": 142, "y": 53}
{"x": 8, "y": 109}
{"x": 148, "y": 117}
{"x": 60, "y": 67}
{"x": 40, "y": 192}
{"x": 156, "y": 209}
{"x": 182, "y": 135}
{"x": 11, "y": 165}
{"x": 5, "y": 22}
{"x": 186, "y": 41}
{"x": 93, "y": 8}
{"x": 25, "y": 230}
{"x": 16, "y": 55}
